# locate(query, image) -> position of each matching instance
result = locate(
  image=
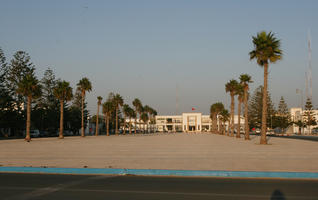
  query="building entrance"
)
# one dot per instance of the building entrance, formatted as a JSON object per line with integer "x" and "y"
{"x": 191, "y": 128}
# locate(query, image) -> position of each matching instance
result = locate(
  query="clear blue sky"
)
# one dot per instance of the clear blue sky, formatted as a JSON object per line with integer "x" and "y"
{"x": 145, "y": 48}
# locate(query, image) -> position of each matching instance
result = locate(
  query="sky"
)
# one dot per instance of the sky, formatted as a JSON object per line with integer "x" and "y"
{"x": 160, "y": 51}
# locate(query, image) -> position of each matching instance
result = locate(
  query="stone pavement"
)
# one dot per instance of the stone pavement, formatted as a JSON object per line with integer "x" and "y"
{"x": 181, "y": 151}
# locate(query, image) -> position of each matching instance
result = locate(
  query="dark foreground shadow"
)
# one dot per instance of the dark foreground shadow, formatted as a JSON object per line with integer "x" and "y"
{"x": 277, "y": 195}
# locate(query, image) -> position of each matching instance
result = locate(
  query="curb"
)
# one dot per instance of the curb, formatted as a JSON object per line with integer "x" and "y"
{"x": 162, "y": 172}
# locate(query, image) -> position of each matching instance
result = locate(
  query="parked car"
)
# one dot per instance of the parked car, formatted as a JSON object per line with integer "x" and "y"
{"x": 33, "y": 133}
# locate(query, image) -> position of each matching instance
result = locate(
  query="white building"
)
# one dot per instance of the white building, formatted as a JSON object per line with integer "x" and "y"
{"x": 298, "y": 114}
{"x": 188, "y": 122}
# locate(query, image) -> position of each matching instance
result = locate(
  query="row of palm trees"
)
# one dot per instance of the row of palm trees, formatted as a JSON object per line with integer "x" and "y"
{"x": 30, "y": 87}
{"x": 266, "y": 50}
{"x": 217, "y": 110}
{"x": 114, "y": 103}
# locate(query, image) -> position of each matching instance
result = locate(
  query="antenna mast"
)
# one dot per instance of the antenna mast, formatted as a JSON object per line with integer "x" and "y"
{"x": 309, "y": 66}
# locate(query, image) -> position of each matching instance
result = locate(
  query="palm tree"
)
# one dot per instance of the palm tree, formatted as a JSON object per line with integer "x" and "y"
{"x": 245, "y": 79}
{"x": 144, "y": 117}
{"x": 215, "y": 110}
{"x": 240, "y": 94}
{"x": 108, "y": 108}
{"x": 131, "y": 114}
{"x": 224, "y": 115}
{"x": 138, "y": 109}
{"x": 118, "y": 102}
{"x": 63, "y": 92}
{"x": 84, "y": 85}
{"x": 231, "y": 87}
{"x": 99, "y": 102}
{"x": 266, "y": 49}
{"x": 148, "y": 110}
{"x": 30, "y": 88}
{"x": 126, "y": 111}
{"x": 153, "y": 114}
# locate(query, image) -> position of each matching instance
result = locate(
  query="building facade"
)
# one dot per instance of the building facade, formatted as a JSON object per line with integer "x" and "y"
{"x": 297, "y": 114}
{"x": 188, "y": 122}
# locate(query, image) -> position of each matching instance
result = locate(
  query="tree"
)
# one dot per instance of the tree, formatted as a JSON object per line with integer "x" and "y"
{"x": 131, "y": 114}
{"x": 126, "y": 111}
{"x": 266, "y": 49}
{"x": 255, "y": 108}
{"x": 138, "y": 109}
{"x": 144, "y": 117}
{"x": 46, "y": 110}
{"x": 224, "y": 117}
{"x": 118, "y": 102}
{"x": 84, "y": 85}
{"x": 63, "y": 92}
{"x": 153, "y": 120}
{"x": 245, "y": 79}
{"x": 148, "y": 110}
{"x": 215, "y": 110}
{"x": 309, "y": 115}
{"x": 8, "y": 114}
{"x": 231, "y": 87}
{"x": 108, "y": 108}
{"x": 29, "y": 87}
{"x": 300, "y": 125}
{"x": 99, "y": 102}
{"x": 240, "y": 96}
{"x": 281, "y": 118}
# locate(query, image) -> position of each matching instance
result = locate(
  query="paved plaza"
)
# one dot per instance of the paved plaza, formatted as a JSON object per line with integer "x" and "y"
{"x": 182, "y": 151}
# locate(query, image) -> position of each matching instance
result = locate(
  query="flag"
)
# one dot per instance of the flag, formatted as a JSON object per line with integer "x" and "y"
{"x": 193, "y": 108}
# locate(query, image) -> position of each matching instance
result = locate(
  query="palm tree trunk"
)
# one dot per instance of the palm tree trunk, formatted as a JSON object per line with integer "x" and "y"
{"x": 135, "y": 125}
{"x": 213, "y": 123}
{"x": 238, "y": 129}
{"x": 247, "y": 128}
{"x": 124, "y": 129}
{"x": 28, "y": 122}
{"x": 129, "y": 125}
{"x": 82, "y": 126}
{"x": 61, "y": 119}
{"x": 228, "y": 127}
{"x": 97, "y": 119}
{"x": 116, "y": 128}
{"x": 232, "y": 115}
{"x": 264, "y": 111}
{"x": 107, "y": 125}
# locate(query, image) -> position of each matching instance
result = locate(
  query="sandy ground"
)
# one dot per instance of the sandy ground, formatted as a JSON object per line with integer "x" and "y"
{"x": 163, "y": 151}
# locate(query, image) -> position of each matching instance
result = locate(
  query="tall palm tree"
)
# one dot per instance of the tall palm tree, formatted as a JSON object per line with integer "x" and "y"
{"x": 30, "y": 88}
{"x": 215, "y": 110}
{"x": 266, "y": 49}
{"x": 240, "y": 94}
{"x": 99, "y": 102}
{"x": 153, "y": 114}
{"x": 138, "y": 109}
{"x": 84, "y": 85}
{"x": 126, "y": 111}
{"x": 63, "y": 92}
{"x": 231, "y": 87}
{"x": 144, "y": 117}
{"x": 148, "y": 110}
{"x": 131, "y": 114}
{"x": 224, "y": 116}
{"x": 118, "y": 101}
{"x": 108, "y": 108}
{"x": 245, "y": 79}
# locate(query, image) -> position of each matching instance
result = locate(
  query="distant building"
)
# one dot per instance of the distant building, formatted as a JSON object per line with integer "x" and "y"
{"x": 297, "y": 114}
{"x": 188, "y": 122}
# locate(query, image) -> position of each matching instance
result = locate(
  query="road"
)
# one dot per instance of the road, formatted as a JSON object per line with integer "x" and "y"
{"x": 50, "y": 186}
